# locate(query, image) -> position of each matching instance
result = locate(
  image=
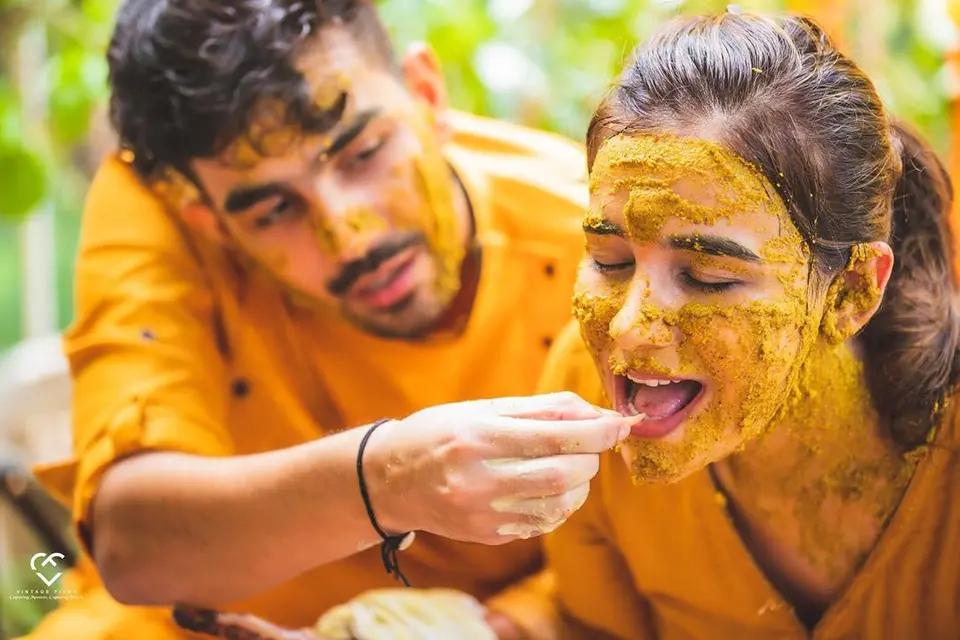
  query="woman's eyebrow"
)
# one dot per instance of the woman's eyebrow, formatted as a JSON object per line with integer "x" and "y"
{"x": 714, "y": 246}
{"x": 603, "y": 228}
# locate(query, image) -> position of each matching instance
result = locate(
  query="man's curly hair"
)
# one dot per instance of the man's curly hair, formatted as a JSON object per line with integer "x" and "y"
{"x": 186, "y": 75}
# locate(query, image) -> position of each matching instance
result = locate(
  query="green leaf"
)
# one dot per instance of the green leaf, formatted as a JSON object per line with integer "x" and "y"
{"x": 9, "y": 120}
{"x": 79, "y": 80}
{"x": 23, "y": 181}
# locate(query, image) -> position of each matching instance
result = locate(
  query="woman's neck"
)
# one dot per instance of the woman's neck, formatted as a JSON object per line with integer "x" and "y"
{"x": 814, "y": 494}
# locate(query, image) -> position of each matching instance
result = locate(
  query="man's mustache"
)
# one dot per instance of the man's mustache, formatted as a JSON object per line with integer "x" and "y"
{"x": 354, "y": 270}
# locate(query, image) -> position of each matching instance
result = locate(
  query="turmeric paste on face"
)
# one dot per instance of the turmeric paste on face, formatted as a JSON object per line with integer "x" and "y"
{"x": 444, "y": 232}
{"x": 747, "y": 352}
{"x": 836, "y": 460}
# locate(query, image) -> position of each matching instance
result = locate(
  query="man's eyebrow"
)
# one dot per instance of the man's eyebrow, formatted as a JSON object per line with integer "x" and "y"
{"x": 243, "y": 198}
{"x": 714, "y": 246}
{"x": 347, "y": 136}
{"x": 603, "y": 228}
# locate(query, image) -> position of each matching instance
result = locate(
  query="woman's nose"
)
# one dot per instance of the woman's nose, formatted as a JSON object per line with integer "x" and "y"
{"x": 641, "y": 323}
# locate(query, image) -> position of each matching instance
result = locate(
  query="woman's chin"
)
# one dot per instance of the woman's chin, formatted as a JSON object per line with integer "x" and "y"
{"x": 668, "y": 460}
{"x": 653, "y": 469}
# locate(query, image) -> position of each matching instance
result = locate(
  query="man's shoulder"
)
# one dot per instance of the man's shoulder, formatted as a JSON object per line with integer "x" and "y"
{"x": 535, "y": 181}
{"x": 116, "y": 181}
{"x": 122, "y": 211}
{"x": 507, "y": 140}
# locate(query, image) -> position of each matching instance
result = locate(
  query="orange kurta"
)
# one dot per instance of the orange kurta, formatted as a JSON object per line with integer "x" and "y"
{"x": 665, "y": 561}
{"x": 177, "y": 347}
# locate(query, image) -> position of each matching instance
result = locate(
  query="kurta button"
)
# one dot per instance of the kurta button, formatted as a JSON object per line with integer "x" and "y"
{"x": 240, "y": 388}
{"x": 549, "y": 270}
{"x": 547, "y": 341}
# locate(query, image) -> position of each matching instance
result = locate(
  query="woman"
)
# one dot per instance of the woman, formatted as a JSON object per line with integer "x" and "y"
{"x": 768, "y": 281}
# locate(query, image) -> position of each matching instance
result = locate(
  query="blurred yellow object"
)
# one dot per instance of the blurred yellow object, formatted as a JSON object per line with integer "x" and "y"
{"x": 830, "y": 15}
{"x": 953, "y": 7}
{"x": 407, "y": 614}
{"x": 953, "y": 68}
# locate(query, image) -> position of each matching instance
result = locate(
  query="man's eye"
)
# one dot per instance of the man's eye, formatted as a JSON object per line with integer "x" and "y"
{"x": 608, "y": 267}
{"x": 283, "y": 206}
{"x": 365, "y": 154}
{"x": 708, "y": 287}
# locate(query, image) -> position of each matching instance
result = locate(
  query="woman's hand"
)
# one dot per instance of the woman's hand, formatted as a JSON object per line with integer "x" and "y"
{"x": 489, "y": 471}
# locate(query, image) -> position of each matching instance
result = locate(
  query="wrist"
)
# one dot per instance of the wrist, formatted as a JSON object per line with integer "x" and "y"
{"x": 382, "y": 471}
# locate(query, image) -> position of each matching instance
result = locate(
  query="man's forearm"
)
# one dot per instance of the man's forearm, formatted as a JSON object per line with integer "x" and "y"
{"x": 172, "y": 527}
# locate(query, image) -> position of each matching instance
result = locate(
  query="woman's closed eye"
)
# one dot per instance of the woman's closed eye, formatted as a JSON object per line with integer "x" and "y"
{"x": 609, "y": 266}
{"x": 707, "y": 283}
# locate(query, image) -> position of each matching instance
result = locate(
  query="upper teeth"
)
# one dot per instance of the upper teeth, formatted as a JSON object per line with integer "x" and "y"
{"x": 653, "y": 383}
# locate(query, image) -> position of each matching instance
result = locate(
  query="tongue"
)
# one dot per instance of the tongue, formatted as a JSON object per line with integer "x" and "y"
{"x": 662, "y": 402}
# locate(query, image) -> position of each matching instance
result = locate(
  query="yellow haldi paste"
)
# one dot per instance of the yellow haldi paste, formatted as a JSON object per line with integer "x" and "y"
{"x": 747, "y": 351}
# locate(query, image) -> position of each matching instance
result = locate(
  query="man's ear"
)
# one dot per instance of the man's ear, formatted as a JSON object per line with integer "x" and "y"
{"x": 424, "y": 79}
{"x": 202, "y": 220}
{"x": 856, "y": 293}
{"x": 182, "y": 195}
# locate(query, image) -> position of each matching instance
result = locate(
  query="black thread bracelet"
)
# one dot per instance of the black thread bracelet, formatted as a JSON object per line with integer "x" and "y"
{"x": 391, "y": 545}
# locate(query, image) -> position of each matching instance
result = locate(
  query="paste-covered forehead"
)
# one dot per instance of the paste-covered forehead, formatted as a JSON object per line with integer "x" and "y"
{"x": 659, "y": 176}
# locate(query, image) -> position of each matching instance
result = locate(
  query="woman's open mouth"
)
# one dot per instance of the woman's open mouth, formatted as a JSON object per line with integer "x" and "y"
{"x": 665, "y": 402}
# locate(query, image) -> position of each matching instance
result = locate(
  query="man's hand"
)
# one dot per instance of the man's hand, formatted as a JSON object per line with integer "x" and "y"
{"x": 489, "y": 471}
{"x": 484, "y": 471}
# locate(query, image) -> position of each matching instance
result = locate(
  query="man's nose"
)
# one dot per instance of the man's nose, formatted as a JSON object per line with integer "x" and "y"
{"x": 342, "y": 227}
{"x": 641, "y": 322}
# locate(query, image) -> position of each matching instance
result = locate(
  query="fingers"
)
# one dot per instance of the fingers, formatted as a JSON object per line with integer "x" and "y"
{"x": 563, "y": 405}
{"x": 539, "y": 516}
{"x": 546, "y": 511}
{"x": 235, "y": 626}
{"x": 528, "y": 438}
{"x": 538, "y": 477}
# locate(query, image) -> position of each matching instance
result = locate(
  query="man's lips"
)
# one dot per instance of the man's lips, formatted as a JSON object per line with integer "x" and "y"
{"x": 666, "y": 402}
{"x": 389, "y": 283}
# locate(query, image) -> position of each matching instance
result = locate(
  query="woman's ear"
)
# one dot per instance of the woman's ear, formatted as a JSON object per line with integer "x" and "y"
{"x": 424, "y": 79}
{"x": 856, "y": 293}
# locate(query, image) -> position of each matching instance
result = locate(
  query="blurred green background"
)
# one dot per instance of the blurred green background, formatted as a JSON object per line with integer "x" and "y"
{"x": 544, "y": 63}
{"x": 540, "y": 62}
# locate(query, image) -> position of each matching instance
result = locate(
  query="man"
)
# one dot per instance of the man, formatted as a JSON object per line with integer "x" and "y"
{"x": 296, "y": 240}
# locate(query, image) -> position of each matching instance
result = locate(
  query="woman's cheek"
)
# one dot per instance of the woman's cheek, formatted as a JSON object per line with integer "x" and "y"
{"x": 595, "y": 303}
{"x": 749, "y": 353}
